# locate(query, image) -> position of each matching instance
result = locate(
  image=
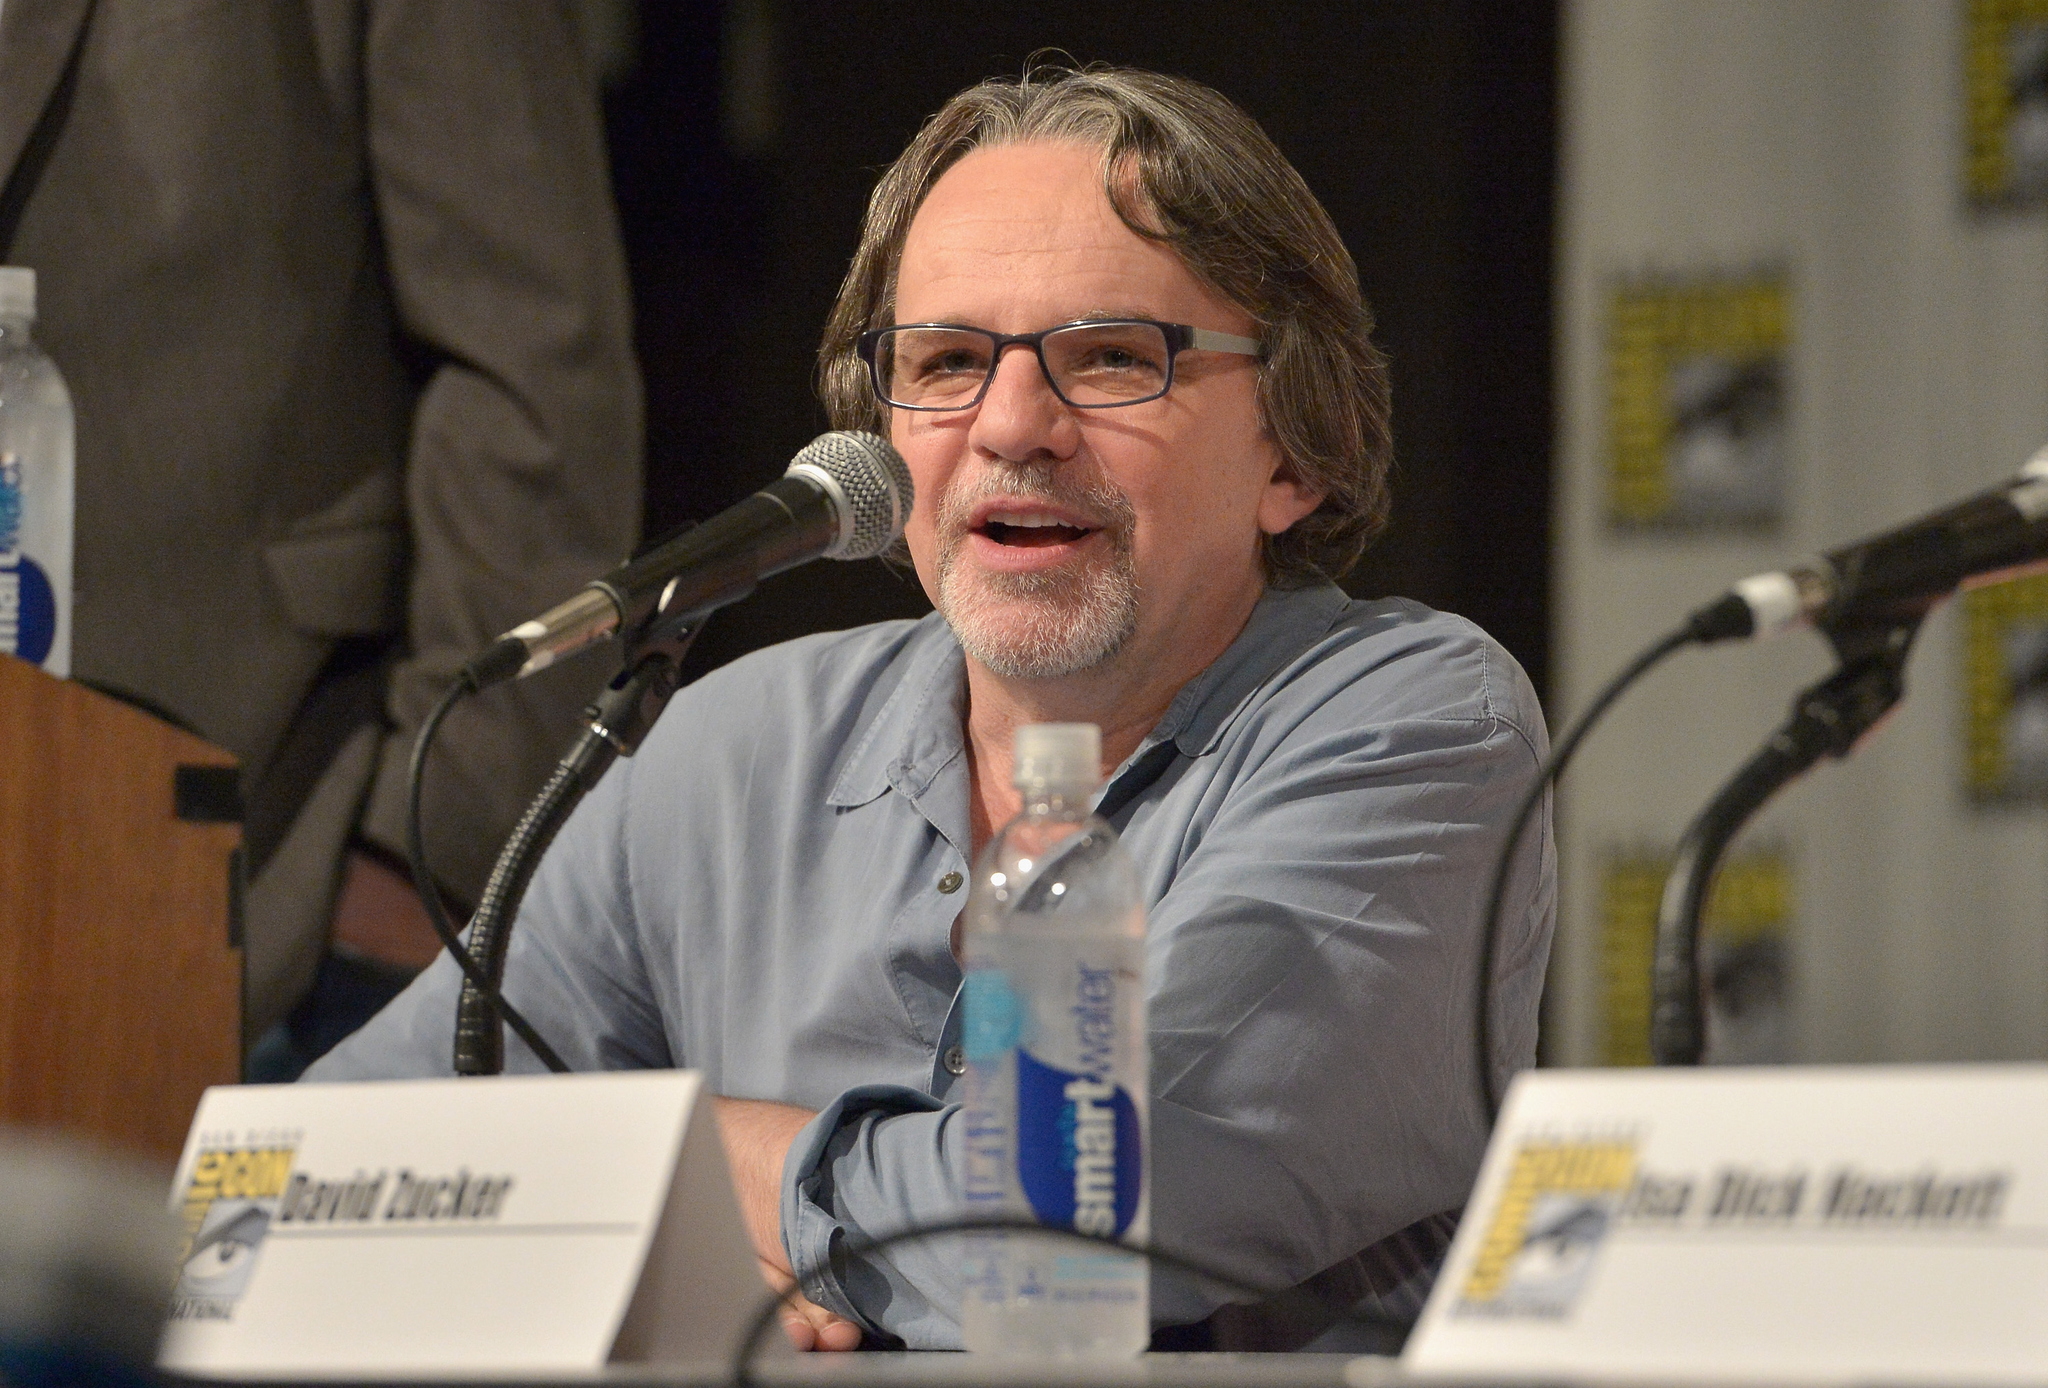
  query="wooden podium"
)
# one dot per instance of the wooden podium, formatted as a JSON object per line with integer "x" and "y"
{"x": 120, "y": 978}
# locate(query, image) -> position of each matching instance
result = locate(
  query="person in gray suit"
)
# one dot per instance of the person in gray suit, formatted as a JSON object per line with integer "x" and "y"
{"x": 338, "y": 291}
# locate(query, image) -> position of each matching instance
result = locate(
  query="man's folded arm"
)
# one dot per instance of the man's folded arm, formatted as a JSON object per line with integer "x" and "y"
{"x": 1312, "y": 969}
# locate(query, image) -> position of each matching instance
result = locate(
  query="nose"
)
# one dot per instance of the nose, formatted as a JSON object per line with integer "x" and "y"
{"x": 1020, "y": 417}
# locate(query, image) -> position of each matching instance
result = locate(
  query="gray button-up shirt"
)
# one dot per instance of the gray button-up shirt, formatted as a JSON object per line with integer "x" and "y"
{"x": 765, "y": 893}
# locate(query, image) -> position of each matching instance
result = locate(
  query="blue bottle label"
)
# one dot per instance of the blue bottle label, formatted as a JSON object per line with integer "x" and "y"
{"x": 28, "y": 603}
{"x": 1079, "y": 1154}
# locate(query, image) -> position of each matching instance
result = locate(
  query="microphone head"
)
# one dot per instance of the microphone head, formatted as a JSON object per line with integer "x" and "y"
{"x": 869, "y": 485}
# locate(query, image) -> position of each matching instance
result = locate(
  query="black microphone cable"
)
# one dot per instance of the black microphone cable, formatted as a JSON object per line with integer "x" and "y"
{"x": 741, "y": 1375}
{"x": 1728, "y": 618}
{"x": 461, "y": 688}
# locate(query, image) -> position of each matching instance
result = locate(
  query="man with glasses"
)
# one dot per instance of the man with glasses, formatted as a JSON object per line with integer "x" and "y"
{"x": 1122, "y": 350}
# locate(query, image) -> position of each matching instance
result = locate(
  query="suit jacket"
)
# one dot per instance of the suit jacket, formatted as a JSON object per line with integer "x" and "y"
{"x": 337, "y": 288}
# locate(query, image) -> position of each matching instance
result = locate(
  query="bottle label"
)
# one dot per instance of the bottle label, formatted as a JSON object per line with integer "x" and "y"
{"x": 1078, "y": 1148}
{"x": 1076, "y": 1141}
{"x": 28, "y": 602}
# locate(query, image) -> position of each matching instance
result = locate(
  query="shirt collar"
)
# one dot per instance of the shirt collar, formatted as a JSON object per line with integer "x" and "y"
{"x": 1284, "y": 624}
{"x": 919, "y": 731}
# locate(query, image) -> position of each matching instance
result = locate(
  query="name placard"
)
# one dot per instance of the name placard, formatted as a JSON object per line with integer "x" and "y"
{"x": 442, "y": 1227}
{"x": 1795, "y": 1225}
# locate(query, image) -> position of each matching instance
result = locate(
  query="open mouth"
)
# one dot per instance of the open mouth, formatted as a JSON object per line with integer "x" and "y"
{"x": 1023, "y": 530}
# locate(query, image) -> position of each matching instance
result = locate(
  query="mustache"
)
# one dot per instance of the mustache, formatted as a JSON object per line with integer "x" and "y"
{"x": 1101, "y": 502}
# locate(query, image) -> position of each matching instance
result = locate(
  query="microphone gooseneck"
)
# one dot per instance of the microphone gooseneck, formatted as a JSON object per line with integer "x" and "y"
{"x": 1827, "y": 720}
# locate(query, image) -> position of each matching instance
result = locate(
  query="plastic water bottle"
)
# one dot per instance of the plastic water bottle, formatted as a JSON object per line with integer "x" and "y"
{"x": 88, "y": 1255}
{"x": 1054, "y": 1031}
{"x": 35, "y": 487}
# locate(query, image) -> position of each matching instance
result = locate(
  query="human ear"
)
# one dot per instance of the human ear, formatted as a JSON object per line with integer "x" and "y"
{"x": 1285, "y": 500}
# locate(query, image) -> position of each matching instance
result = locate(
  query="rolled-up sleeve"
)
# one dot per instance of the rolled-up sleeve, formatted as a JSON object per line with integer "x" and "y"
{"x": 875, "y": 1161}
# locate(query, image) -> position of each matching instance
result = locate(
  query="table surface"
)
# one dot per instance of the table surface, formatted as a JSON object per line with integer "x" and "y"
{"x": 913, "y": 1370}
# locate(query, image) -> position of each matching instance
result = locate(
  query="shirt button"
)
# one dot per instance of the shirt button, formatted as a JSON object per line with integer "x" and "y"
{"x": 949, "y": 884}
{"x": 955, "y": 1061}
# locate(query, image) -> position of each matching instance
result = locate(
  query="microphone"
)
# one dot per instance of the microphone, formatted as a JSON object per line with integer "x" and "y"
{"x": 1893, "y": 579}
{"x": 846, "y": 495}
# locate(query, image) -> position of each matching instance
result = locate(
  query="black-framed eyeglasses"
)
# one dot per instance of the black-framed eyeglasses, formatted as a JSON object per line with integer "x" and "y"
{"x": 1091, "y": 364}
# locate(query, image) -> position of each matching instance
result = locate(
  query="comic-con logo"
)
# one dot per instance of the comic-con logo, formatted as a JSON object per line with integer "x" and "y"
{"x": 226, "y": 1209}
{"x": 1559, "y": 1201}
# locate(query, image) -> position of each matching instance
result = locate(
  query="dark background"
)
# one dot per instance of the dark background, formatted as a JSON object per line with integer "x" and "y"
{"x": 745, "y": 138}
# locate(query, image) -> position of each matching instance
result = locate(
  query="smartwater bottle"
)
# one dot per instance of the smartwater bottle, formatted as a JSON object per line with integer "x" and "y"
{"x": 88, "y": 1254}
{"x": 35, "y": 487}
{"x": 1054, "y": 1030}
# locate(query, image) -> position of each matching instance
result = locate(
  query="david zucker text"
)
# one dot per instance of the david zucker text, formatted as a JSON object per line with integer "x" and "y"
{"x": 361, "y": 1197}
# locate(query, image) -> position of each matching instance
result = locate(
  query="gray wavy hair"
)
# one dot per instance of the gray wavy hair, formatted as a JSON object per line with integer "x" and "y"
{"x": 1183, "y": 166}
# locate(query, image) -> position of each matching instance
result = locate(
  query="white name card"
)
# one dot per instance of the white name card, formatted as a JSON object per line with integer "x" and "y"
{"x": 1798, "y": 1225}
{"x": 445, "y": 1227}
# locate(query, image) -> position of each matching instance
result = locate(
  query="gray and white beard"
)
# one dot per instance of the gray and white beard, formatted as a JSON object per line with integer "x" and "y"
{"x": 1040, "y": 626}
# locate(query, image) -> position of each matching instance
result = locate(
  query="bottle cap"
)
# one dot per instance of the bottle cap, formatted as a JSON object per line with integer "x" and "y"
{"x": 1058, "y": 754}
{"x": 17, "y": 292}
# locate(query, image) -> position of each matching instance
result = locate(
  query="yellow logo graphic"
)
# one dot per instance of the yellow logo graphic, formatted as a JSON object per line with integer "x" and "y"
{"x": 2005, "y": 691}
{"x": 1554, "y": 1212}
{"x": 1748, "y": 928}
{"x": 1696, "y": 401}
{"x": 226, "y": 1210}
{"x": 2005, "y": 103}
